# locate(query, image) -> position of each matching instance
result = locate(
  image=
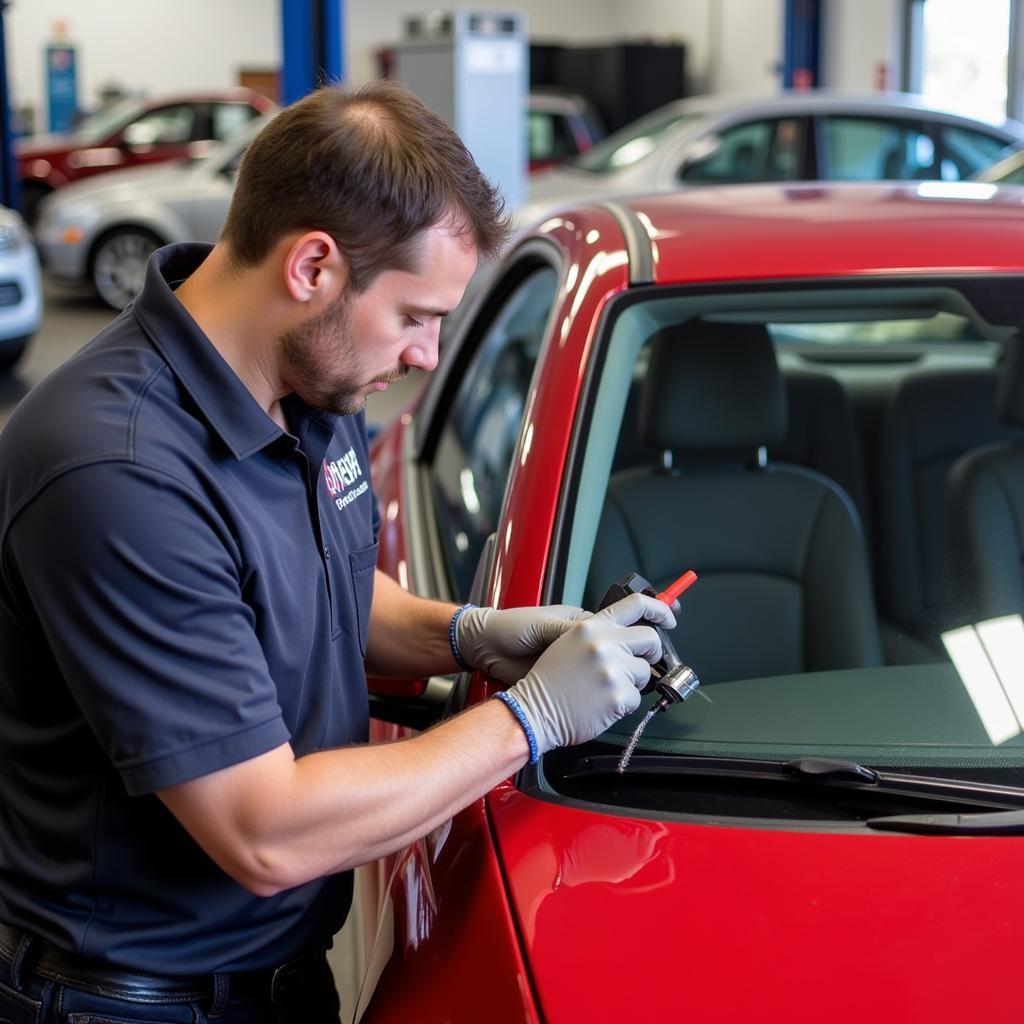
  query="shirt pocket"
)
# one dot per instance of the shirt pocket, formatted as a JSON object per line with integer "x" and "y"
{"x": 363, "y": 564}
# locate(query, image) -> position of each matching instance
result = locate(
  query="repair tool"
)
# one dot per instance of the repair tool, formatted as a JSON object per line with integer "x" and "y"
{"x": 670, "y": 678}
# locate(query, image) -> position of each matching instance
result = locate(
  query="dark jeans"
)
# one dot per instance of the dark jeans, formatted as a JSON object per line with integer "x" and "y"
{"x": 41, "y": 994}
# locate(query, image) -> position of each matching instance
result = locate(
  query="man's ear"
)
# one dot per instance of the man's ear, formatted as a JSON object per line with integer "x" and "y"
{"x": 315, "y": 270}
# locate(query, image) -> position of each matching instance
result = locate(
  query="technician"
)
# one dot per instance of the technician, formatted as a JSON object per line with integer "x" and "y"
{"x": 189, "y": 600}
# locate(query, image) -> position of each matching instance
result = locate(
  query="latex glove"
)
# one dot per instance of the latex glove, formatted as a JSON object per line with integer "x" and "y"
{"x": 505, "y": 644}
{"x": 592, "y": 675}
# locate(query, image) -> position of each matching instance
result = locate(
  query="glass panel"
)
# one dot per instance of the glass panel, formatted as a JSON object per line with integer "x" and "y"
{"x": 475, "y": 449}
{"x": 633, "y": 142}
{"x": 165, "y": 126}
{"x": 966, "y": 152}
{"x": 755, "y": 151}
{"x": 228, "y": 118}
{"x": 874, "y": 149}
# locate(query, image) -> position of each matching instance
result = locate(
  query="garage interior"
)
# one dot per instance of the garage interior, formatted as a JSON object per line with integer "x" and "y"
{"x": 616, "y": 60}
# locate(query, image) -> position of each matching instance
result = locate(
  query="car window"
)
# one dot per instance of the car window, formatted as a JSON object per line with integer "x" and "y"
{"x": 966, "y": 151}
{"x": 755, "y": 151}
{"x": 549, "y": 136}
{"x": 720, "y": 424}
{"x": 633, "y": 142}
{"x": 878, "y": 149}
{"x": 228, "y": 118}
{"x": 162, "y": 127}
{"x": 474, "y": 454}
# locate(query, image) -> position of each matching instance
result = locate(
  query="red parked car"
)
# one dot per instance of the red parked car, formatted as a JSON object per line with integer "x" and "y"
{"x": 787, "y": 389}
{"x": 132, "y": 133}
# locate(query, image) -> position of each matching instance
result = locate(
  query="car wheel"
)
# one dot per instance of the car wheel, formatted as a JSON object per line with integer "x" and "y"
{"x": 11, "y": 351}
{"x": 118, "y": 267}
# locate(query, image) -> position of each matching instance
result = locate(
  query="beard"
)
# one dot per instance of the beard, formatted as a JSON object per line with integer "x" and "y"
{"x": 313, "y": 350}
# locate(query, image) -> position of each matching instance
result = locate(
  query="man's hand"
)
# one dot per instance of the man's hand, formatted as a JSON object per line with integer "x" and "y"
{"x": 592, "y": 675}
{"x": 505, "y": 644}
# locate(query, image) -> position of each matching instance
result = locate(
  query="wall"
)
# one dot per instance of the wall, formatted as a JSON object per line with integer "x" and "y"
{"x": 861, "y": 42}
{"x": 143, "y": 45}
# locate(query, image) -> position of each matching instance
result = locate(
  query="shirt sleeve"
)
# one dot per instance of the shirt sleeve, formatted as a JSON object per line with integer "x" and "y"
{"x": 136, "y": 585}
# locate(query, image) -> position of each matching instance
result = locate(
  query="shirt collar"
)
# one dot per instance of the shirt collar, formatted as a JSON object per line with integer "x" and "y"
{"x": 222, "y": 398}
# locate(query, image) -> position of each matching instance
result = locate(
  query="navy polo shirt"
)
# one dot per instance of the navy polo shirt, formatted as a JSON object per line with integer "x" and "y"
{"x": 183, "y": 586}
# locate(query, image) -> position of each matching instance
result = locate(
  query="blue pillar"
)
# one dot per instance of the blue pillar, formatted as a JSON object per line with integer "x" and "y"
{"x": 801, "y": 62}
{"x": 10, "y": 193}
{"x": 311, "y": 38}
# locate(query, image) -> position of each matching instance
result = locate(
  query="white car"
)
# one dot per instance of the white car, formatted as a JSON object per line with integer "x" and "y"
{"x": 103, "y": 230}
{"x": 794, "y": 136}
{"x": 21, "y": 293}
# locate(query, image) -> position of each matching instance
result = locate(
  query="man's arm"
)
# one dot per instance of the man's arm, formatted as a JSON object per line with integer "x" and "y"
{"x": 273, "y": 822}
{"x": 408, "y": 635}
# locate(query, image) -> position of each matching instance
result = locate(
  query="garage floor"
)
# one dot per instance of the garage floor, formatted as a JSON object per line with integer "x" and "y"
{"x": 71, "y": 319}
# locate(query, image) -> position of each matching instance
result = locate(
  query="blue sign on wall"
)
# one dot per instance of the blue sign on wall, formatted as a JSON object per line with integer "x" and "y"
{"x": 61, "y": 87}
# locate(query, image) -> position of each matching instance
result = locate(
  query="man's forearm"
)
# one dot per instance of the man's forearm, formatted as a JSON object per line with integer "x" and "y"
{"x": 408, "y": 634}
{"x": 275, "y": 822}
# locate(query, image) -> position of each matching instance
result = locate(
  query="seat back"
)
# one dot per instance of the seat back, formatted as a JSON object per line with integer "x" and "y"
{"x": 784, "y": 584}
{"x": 931, "y": 420}
{"x": 985, "y": 509}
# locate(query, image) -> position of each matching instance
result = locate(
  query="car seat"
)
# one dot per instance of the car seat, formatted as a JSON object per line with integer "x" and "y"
{"x": 784, "y": 581}
{"x": 985, "y": 503}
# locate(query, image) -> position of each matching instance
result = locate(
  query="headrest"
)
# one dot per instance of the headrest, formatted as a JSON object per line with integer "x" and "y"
{"x": 1010, "y": 401}
{"x": 712, "y": 387}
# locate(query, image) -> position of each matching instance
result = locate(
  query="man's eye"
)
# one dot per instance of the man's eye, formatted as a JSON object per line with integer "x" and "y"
{"x": 413, "y": 322}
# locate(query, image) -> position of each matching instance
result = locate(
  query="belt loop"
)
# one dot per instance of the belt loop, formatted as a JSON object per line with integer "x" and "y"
{"x": 221, "y": 987}
{"x": 21, "y": 961}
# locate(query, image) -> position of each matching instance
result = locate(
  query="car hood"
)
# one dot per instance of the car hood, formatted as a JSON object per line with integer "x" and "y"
{"x": 626, "y": 919}
{"x": 154, "y": 182}
{"x": 47, "y": 145}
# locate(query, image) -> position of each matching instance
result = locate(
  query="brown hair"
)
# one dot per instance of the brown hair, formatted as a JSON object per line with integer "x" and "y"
{"x": 372, "y": 167}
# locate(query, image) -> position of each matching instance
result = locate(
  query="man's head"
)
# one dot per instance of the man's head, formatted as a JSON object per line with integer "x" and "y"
{"x": 367, "y": 213}
{"x": 373, "y": 168}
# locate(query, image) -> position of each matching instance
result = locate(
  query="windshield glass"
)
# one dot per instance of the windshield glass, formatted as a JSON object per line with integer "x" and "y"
{"x": 806, "y": 453}
{"x": 632, "y": 143}
{"x": 96, "y": 127}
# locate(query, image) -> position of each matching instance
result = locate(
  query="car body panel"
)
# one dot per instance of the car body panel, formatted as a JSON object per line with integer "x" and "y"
{"x": 631, "y": 919}
{"x": 21, "y": 268}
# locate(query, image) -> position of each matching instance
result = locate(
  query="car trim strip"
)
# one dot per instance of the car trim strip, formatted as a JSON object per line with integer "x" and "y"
{"x": 638, "y": 243}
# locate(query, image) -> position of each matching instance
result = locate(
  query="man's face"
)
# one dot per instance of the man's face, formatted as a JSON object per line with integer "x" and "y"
{"x": 367, "y": 340}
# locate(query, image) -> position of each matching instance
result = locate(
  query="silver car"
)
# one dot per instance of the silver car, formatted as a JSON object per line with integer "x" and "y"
{"x": 104, "y": 229}
{"x": 21, "y": 293}
{"x": 794, "y": 136}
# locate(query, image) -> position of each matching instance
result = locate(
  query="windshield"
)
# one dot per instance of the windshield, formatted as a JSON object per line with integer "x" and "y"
{"x": 634, "y": 142}
{"x": 806, "y": 452}
{"x": 96, "y": 127}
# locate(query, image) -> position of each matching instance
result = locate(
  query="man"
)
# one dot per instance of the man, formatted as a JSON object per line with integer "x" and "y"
{"x": 186, "y": 613}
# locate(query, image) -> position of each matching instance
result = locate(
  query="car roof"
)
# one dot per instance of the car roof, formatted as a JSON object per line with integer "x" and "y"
{"x": 812, "y": 101}
{"x": 749, "y": 232}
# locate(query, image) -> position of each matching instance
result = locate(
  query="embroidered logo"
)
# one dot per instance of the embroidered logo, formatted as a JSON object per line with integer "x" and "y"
{"x": 340, "y": 475}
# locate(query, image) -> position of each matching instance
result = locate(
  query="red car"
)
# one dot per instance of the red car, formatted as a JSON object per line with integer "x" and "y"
{"x": 780, "y": 388}
{"x": 132, "y": 133}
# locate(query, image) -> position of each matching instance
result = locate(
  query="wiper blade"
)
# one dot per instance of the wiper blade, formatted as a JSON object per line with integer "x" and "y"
{"x": 998, "y": 823}
{"x": 809, "y": 770}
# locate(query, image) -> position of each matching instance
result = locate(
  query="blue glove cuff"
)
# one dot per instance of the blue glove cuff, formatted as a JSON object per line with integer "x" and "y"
{"x": 453, "y": 639}
{"x": 513, "y": 705}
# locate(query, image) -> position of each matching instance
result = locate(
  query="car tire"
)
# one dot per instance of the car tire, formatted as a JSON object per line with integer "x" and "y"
{"x": 117, "y": 266}
{"x": 11, "y": 351}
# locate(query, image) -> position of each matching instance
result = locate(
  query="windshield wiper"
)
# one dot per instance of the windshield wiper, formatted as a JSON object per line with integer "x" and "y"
{"x": 813, "y": 771}
{"x": 1005, "y": 823}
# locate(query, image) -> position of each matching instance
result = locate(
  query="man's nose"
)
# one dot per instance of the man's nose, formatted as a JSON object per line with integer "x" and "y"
{"x": 423, "y": 355}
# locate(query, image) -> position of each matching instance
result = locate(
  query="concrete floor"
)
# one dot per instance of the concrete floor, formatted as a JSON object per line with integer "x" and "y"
{"x": 70, "y": 319}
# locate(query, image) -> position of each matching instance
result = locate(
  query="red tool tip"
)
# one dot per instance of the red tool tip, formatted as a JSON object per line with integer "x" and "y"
{"x": 671, "y": 592}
